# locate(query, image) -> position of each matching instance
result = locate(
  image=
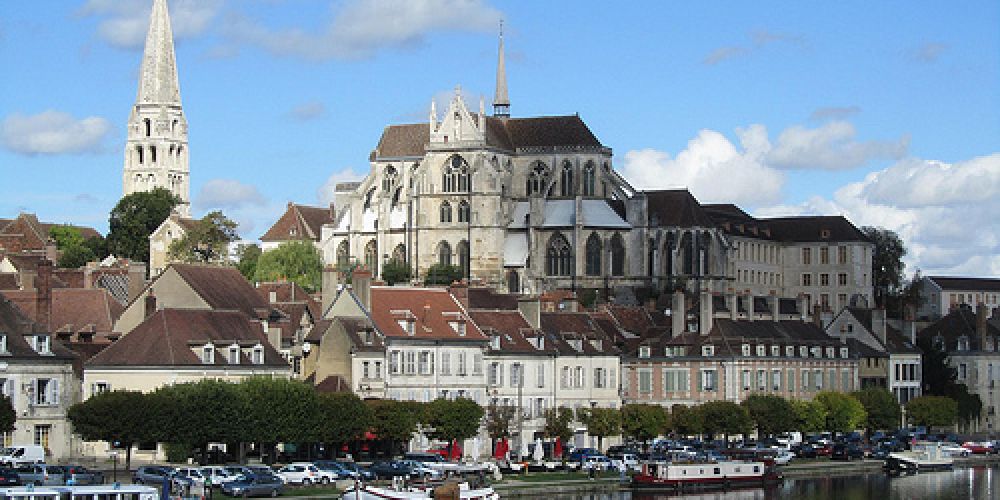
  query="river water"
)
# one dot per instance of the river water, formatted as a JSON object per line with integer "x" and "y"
{"x": 965, "y": 483}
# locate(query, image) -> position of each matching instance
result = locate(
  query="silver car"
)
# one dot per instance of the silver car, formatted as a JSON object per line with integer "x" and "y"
{"x": 42, "y": 474}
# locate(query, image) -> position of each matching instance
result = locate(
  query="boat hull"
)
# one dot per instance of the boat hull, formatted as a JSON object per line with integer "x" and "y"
{"x": 366, "y": 492}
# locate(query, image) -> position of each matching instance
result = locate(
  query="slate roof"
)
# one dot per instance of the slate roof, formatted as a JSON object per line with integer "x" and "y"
{"x": 410, "y": 140}
{"x": 676, "y": 208}
{"x": 815, "y": 228}
{"x": 961, "y": 283}
{"x": 16, "y": 325}
{"x": 513, "y": 331}
{"x": 897, "y": 343}
{"x": 169, "y": 337}
{"x": 957, "y": 323}
{"x": 9, "y": 281}
{"x": 306, "y": 221}
{"x": 562, "y": 328}
{"x": 487, "y": 298}
{"x": 289, "y": 293}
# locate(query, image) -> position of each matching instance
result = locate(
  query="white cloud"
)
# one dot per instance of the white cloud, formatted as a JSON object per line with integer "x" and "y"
{"x": 363, "y": 27}
{"x": 834, "y": 113}
{"x": 832, "y": 146}
{"x": 759, "y": 39}
{"x": 124, "y": 23}
{"x": 53, "y": 132}
{"x": 308, "y": 111}
{"x": 228, "y": 193}
{"x": 945, "y": 212}
{"x": 325, "y": 193}
{"x": 713, "y": 168}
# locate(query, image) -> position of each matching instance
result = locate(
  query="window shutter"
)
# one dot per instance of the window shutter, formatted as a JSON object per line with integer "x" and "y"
{"x": 431, "y": 364}
{"x": 53, "y": 392}
{"x": 10, "y": 390}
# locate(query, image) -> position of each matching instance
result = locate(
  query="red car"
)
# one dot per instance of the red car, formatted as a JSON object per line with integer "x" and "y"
{"x": 977, "y": 448}
{"x": 824, "y": 450}
{"x": 441, "y": 450}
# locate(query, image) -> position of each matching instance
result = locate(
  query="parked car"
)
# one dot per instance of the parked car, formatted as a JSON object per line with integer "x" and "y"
{"x": 783, "y": 457}
{"x": 846, "y": 451}
{"x": 17, "y": 455}
{"x": 580, "y": 453}
{"x": 805, "y": 450}
{"x": 358, "y": 471}
{"x": 252, "y": 485}
{"x": 304, "y": 473}
{"x": 954, "y": 450}
{"x": 388, "y": 469}
{"x": 599, "y": 462}
{"x": 978, "y": 448}
{"x": 9, "y": 477}
{"x": 218, "y": 475}
{"x": 624, "y": 461}
{"x": 420, "y": 469}
{"x": 80, "y": 475}
{"x": 425, "y": 458}
{"x": 152, "y": 474}
{"x": 187, "y": 476}
{"x": 334, "y": 468}
{"x": 42, "y": 474}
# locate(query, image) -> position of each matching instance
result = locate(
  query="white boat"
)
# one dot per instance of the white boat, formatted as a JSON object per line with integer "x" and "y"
{"x": 362, "y": 491}
{"x": 693, "y": 475}
{"x": 96, "y": 492}
{"x": 923, "y": 455}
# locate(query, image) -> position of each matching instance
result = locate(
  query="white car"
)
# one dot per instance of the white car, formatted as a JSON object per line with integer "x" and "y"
{"x": 954, "y": 450}
{"x": 423, "y": 469}
{"x": 783, "y": 457}
{"x": 304, "y": 473}
{"x": 599, "y": 462}
{"x": 218, "y": 475}
{"x": 626, "y": 461}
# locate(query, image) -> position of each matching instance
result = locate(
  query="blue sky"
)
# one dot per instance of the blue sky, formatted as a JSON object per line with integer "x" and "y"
{"x": 887, "y": 112}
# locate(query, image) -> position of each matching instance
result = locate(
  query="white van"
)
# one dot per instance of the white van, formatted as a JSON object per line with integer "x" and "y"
{"x": 19, "y": 455}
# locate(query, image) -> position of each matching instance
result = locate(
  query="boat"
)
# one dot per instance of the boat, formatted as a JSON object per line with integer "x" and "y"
{"x": 400, "y": 491}
{"x": 114, "y": 491}
{"x": 696, "y": 475}
{"x": 922, "y": 456}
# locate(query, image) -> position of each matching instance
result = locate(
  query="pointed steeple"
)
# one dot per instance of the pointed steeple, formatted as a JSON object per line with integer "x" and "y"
{"x": 501, "y": 103}
{"x": 158, "y": 77}
{"x": 156, "y": 154}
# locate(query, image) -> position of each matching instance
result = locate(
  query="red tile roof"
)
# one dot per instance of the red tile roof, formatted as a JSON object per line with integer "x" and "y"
{"x": 73, "y": 309}
{"x": 170, "y": 337}
{"x": 299, "y": 222}
{"x": 513, "y": 330}
{"x": 430, "y": 309}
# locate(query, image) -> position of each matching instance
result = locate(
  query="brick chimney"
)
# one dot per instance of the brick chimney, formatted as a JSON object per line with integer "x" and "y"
{"x": 705, "y": 313}
{"x": 982, "y": 314}
{"x": 677, "y": 313}
{"x": 149, "y": 304}
{"x": 818, "y": 315}
{"x": 43, "y": 294}
{"x": 878, "y": 324}
{"x": 361, "y": 282}
{"x": 803, "y": 307}
{"x": 331, "y": 283}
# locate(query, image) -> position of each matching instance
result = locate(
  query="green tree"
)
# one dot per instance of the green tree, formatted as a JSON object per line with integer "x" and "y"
{"x": 8, "y": 416}
{"x": 887, "y": 262}
{"x": 725, "y": 417}
{"x": 687, "y": 420}
{"x": 114, "y": 416}
{"x": 395, "y": 421}
{"x": 134, "y": 218}
{"x": 75, "y": 256}
{"x": 395, "y": 271}
{"x": 881, "y": 408}
{"x": 442, "y": 274}
{"x": 454, "y": 419}
{"x": 936, "y": 372}
{"x": 343, "y": 417}
{"x": 600, "y": 422}
{"x": 643, "y": 422}
{"x": 73, "y": 249}
{"x": 279, "y": 410}
{"x": 498, "y": 420}
{"x": 246, "y": 260}
{"x": 810, "y": 416}
{"x": 207, "y": 241}
{"x": 557, "y": 423}
{"x": 295, "y": 261}
{"x": 931, "y": 411}
{"x": 769, "y": 413}
{"x": 844, "y": 413}
{"x": 198, "y": 413}
{"x": 970, "y": 406}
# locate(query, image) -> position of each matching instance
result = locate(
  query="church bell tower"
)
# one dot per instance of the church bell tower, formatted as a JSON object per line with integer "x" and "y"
{"x": 156, "y": 151}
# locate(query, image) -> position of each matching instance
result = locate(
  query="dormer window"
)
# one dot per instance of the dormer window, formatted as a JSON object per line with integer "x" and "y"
{"x": 790, "y": 351}
{"x": 963, "y": 343}
{"x": 257, "y": 357}
{"x": 843, "y": 352}
{"x": 495, "y": 342}
{"x": 406, "y": 320}
{"x": 761, "y": 351}
{"x": 369, "y": 337}
{"x": 708, "y": 350}
{"x": 3, "y": 343}
{"x": 597, "y": 344}
{"x": 576, "y": 344}
{"x": 458, "y": 326}
{"x": 234, "y": 354}
{"x": 293, "y": 232}
{"x": 775, "y": 351}
{"x": 803, "y": 352}
{"x": 208, "y": 354}
{"x": 746, "y": 349}
{"x": 939, "y": 343}
{"x": 42, "y": 344}
{"x": 829, "y": 352}
{"x": 644, "y": 351}
{"x": 815, "y": 352}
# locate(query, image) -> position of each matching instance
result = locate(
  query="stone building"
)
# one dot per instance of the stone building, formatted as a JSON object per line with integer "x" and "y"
{"x": 941, "y": 294}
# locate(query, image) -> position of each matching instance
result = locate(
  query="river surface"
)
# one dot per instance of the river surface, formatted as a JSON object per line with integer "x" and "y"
{"x": 965, "y": 483}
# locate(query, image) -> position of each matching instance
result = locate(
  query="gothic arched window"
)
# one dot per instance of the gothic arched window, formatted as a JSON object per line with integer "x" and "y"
{"x": 399, "y": 253}
{"x": 589, "y": 179}
{"x": 445, "y": 211}
{"x": 368, "y": 198}
{"x": 594, "y": 249}
{"x": 617, "y": 255}
{"x": 558, "y": 257}
{"x": 566, "y": 179}
{"x": 389, "y": 178}
{"x": 343, "y": 255}
{"x": 371, "y": 255}
{"x": 444, "y": 253}
{"x": 456, "y": 176}
{"x": 537, "y": 178}
{"x": 463, "y": 257}
{"x": 463, "y": 211}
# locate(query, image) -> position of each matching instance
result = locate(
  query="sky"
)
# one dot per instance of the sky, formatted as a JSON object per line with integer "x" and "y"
{"x": 885, "y": 112}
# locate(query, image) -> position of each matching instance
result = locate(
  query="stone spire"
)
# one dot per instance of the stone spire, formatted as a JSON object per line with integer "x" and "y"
{"x": 156, "y": 154}
{"x": 501, "y": 103}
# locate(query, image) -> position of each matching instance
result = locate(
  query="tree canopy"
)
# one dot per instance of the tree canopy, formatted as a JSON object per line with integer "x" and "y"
{"x": 643, "y": 422}
{"x": 295, "y": 261}
{"x": 887, "y": 262}
{"x": 930, "y": 411}
{"x": 557, "y": 423}
{"x": 687, "y": 420}
{"x": 207, "y": 241}
{"x": 8, "y": 416}
{"x": 769, "y": 413}
{"x": 600, "y": 422}
{"x": 442, "y": 274}
{"x": 114, "y": 416}
{"x": 498, "y": 420}
{"x": 134, "y": 218}
{"x": 342, "y": 417}
{"x": 246, "y": 260}
{"x": 74, "y": 250}
{"x": 454, "y": 419}
{"x": 395, "y": 271}
{"x": 881, "y": 408}
{"x": 844, "y": 413}
{"x": 810, "y": 416}
{"x": 725, "y": 417}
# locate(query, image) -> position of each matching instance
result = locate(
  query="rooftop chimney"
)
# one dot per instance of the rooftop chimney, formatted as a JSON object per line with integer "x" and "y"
{"x": 43, "y": 296}
{"x": 910, "y": 324}
{"x": 774, "y": 303}
{"x": 982, "y": 314}
{"x": 818, "y": 315}
{"x": 878, "y": 324}
{"x": 331, "y": 282}
{"x": 750, "y": 312}
{"x": 361, "y": 282}
{"x": 136, "y": 279}
{"x": 733, "y": 303}
{"x": 677, "y": 313}
{"x": 150, "y": 304}
{"x": 705, "y": 311}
